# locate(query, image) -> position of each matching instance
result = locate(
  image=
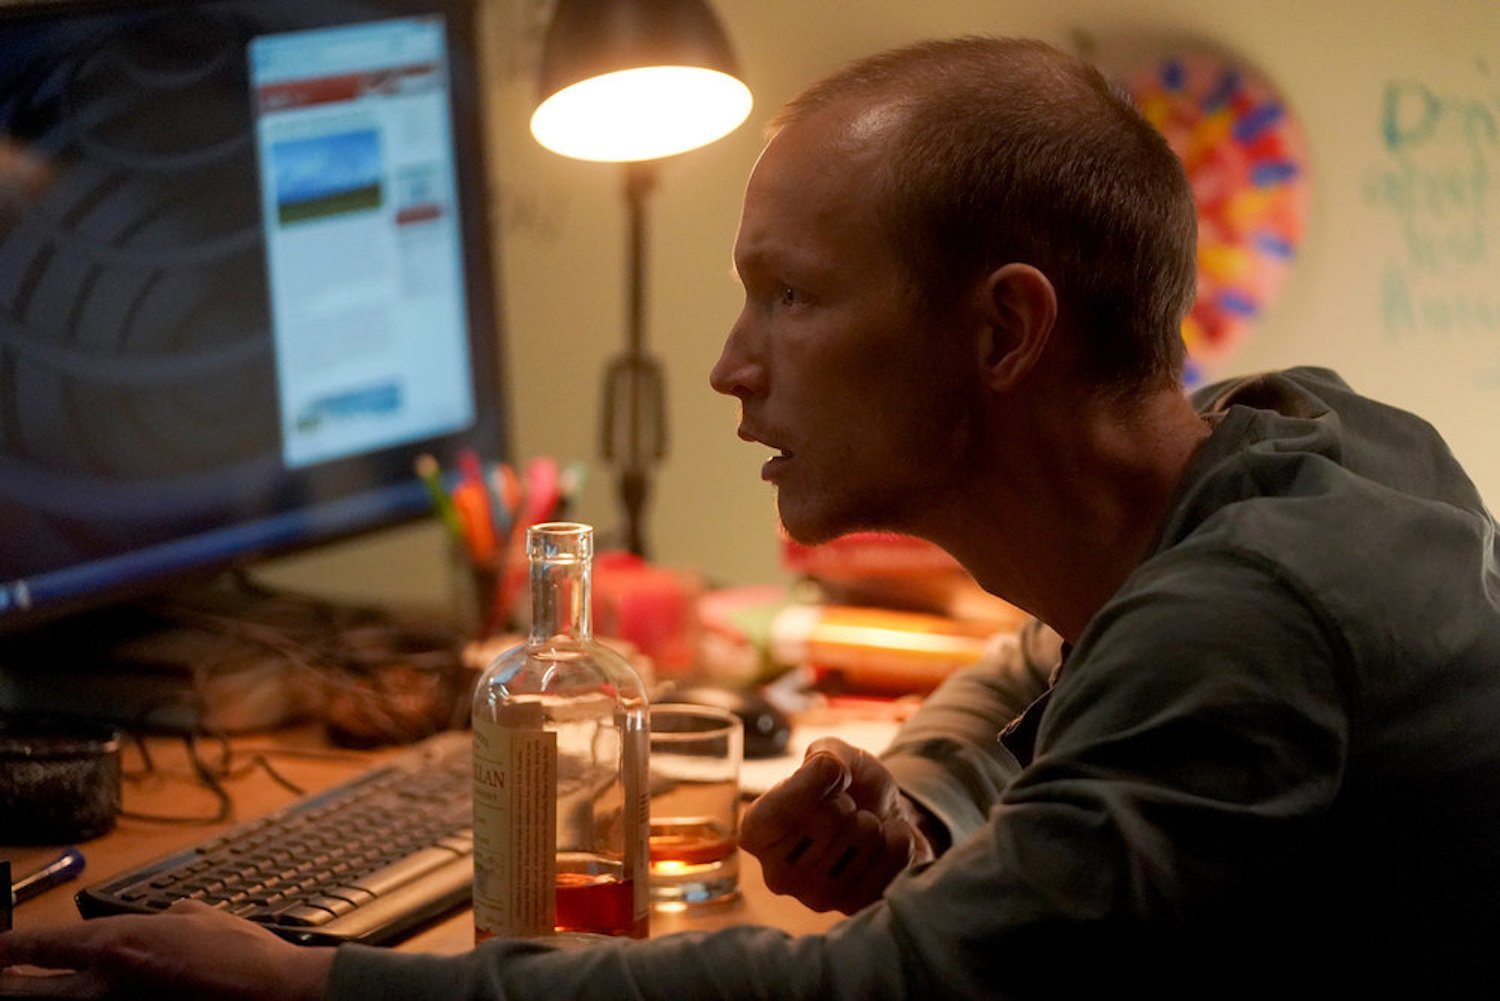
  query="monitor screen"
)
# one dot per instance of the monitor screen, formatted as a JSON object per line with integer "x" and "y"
{"x": 244, "y": 281}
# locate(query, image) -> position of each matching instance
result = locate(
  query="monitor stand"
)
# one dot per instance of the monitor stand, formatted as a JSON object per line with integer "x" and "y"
{"x": 226, "y": 656}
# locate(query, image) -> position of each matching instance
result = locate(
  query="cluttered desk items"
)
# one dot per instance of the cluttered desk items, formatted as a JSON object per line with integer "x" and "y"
{"x": 486, "y": 508}
{"x": 314, "y": 878}
{"x": 464, "y": 816}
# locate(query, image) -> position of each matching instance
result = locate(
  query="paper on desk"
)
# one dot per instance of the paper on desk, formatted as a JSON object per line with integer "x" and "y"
{"x": 759, "y": 774}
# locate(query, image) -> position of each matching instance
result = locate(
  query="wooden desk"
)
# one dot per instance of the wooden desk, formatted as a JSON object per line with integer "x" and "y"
{"x": 302, "y": 757}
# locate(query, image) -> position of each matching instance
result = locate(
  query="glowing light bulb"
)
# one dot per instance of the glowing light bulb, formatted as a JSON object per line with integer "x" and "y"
{"x": 641, "y": 114}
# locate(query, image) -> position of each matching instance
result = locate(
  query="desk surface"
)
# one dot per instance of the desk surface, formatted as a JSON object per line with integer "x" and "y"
{"x": 169, "y": 788}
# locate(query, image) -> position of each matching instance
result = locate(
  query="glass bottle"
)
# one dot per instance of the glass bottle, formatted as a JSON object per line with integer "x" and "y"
{"x": 560, "y": 766}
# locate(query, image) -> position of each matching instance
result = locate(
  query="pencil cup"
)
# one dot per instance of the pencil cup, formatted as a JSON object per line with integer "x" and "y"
{"x": 473, "y": 593}
{"x": 484, "y": 592}
{"x": 695, "y": 793}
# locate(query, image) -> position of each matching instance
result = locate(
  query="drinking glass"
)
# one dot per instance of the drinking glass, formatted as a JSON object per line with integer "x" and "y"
{"x": 695, "y": 793}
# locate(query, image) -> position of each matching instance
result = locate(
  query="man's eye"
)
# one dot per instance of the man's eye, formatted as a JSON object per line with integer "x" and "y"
{"x": 789, "y": 296}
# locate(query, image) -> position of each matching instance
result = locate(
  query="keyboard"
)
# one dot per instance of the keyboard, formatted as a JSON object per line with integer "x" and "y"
{"x": 366, "y": 861}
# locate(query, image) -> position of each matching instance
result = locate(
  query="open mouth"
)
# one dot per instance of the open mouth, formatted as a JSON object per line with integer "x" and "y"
{"x": 775, "y": 464}
{"x": 780, "y": 458}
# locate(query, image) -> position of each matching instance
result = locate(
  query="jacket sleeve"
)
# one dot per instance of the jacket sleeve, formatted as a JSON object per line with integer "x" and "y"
{"x": 948, "y": 758}
{"x": 858, "y": 959}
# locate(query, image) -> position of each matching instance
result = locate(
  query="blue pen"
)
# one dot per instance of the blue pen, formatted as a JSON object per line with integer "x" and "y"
{"x": 61, "y": 869}
{"x": 507, "y": 490}
{"x": 494, "y": 482}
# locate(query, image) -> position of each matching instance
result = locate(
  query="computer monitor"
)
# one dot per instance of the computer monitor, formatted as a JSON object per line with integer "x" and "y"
{"x": 245, "y": 279}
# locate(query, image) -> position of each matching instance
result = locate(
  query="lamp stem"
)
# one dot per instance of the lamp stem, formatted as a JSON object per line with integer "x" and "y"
{"x": 640, "y": 180}
{"x": 634, "y": 407}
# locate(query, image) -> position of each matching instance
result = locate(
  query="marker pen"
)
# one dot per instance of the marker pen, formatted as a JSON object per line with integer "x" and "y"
{"x": 61, "y": 869}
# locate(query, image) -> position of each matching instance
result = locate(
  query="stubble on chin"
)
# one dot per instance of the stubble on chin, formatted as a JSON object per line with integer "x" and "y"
{"x": 817, "y": 520}
{"x": 797, "y": 523}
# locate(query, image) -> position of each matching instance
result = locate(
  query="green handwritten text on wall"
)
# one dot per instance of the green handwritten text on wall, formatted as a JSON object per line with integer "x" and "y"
{"x": 1436, "y": 182}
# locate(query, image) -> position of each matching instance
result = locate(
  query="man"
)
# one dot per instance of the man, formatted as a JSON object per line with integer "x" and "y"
{"x": 1270, "y": 758}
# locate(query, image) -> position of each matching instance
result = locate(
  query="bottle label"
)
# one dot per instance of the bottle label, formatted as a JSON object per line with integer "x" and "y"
{"x": 515, "y": 823}
{"x": 637, "y": 819}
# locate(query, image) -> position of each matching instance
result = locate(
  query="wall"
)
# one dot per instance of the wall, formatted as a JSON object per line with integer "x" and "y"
{"x": 1397, "y": 283}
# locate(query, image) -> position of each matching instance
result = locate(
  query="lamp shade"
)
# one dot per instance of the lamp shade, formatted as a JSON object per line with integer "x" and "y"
{"x": 625, "y": 80}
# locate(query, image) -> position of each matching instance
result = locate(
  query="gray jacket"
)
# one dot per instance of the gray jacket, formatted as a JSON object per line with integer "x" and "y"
{"x": 1271, "y": 763}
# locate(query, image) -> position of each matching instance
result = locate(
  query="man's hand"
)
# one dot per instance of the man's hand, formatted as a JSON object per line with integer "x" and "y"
{"x": 188, "y": 951}
{"x": 836, "y": 832}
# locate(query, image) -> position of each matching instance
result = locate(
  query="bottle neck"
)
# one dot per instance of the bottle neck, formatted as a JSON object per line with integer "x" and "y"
{"x": 560, "y": 606}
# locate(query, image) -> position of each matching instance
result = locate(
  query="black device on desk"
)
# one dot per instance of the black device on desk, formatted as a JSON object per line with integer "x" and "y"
{"x": 766, "y": 728}
{"x": 245, "y": 279}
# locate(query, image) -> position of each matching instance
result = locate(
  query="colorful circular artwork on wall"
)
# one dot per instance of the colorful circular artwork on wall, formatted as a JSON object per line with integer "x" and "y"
{"x": 1246, "y": 159}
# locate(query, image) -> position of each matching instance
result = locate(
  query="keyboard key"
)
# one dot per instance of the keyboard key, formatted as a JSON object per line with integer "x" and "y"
{"x": 353, "y": 894}
{"x": 400, "y": 873}
{"x": 337, "y": 905}
{"x": 305, "y": 915}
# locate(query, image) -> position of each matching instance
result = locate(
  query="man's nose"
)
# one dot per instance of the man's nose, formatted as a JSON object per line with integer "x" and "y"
{"x": 739, "y": 371}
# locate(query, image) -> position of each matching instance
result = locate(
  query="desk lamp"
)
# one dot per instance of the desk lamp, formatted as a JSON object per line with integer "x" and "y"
{"x": 631, "y": 82}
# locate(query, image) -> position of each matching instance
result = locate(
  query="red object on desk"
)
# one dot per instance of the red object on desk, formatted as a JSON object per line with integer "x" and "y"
{"x": 861, "y": 554}
{"x": 651, "y": 607}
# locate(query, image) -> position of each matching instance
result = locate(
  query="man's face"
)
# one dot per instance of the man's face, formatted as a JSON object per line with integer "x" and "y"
{"x": 863, "y": 401}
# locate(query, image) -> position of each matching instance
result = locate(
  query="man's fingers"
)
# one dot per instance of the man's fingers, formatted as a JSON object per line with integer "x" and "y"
{"x": 901, "y": 847}
{"x": 784, "y": 810}
{"x": 790, "y": 862}
{"x": 798, "y": 850}
{"x": 812, "y": 833}
{"x": 834, "y": 833}
{"x": 43, "y": 964}
{"x": 193, "y": 951}
{"x": 84, "y": 946}
{"x": 841, "y": 752}
{"x": 63, "y": 948}
{"x": 44, "y": 985}
{"x": 832, "y": 878}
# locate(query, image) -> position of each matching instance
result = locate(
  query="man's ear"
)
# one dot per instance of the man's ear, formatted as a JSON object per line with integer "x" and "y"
{"x": 1019, "y": 306}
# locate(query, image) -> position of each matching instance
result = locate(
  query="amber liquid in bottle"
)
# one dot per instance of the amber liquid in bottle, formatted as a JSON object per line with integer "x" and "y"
{"x": 598, "y": 904}
{"x": 560, "y": 746}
